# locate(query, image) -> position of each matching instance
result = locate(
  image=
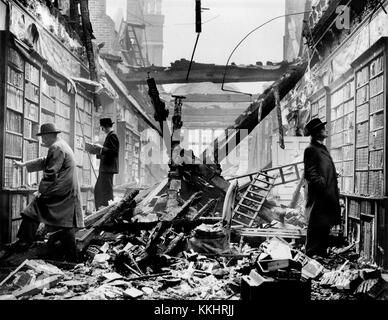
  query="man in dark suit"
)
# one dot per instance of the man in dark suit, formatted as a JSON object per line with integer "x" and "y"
{"x": 322, "y": 205}
{"x": 109, "y": 164}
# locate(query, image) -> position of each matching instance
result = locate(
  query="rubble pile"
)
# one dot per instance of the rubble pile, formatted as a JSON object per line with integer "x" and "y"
{"x": 138, "y": 249}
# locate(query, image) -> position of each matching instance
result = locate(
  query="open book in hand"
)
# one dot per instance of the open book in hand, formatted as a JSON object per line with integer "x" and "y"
{"x": 92, "y": 148}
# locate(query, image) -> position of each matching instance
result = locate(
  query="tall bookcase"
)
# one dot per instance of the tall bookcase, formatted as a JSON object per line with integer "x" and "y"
{"x": 366, "y": 207}
{"x": 84, "y": 132}
{"x": 22, "y": 118}
{"x": 129, "y": 161}
{"x": 342, "y": 134}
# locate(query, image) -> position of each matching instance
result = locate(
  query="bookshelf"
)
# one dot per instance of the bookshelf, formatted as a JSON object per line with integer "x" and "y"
{"x": 318, "y": 108}
{"x": 342, "y": 134}
{"x": 370, "y": 120}
{"x": 129, "y": 154}
{"x": 366, "y": 222}
{"x": 84, "y": 121}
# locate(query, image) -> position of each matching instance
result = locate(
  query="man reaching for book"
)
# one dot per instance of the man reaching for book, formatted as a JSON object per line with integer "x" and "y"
{"x": 57, "y": 203}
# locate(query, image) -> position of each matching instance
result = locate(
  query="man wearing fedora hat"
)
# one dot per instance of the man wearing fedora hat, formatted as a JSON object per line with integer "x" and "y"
{"x": 109, "y": 164}
{"x": 57, "y": 202}
{"x": 322, "y": 203}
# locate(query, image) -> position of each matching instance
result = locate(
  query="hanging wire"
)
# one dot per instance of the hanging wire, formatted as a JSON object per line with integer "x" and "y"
{"x": 235, "y": 48}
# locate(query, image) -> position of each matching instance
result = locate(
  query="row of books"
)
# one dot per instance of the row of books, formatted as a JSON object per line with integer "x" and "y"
{"x": 14, "y": 121}
{"x": 376, "y": 120}
{"x": 376, "y": 66}
{"x": 354, "y": 208}
{"x": 30, "y": 150}
{"x": 46, "y": 117}
{"x": 362, "y": 113}
{"x": 347, "y": 168}
{"x": 349, "y": 106}
{"x": 48, "y": 104}
{"x": 367, "y": 242}
{"x": 15, "y": 77}
{"x": 32, "y": 92}
{"x": 348, "y": 152}
{"x": 376, "y": 139}
{"x": 376, "y": 85}
{"x": 86, "y": 128}
{"x": 376, "y": 103}
{"x": 32, "y": 73}
{"x": 376, "y": 183}
{"x": 31, "y": 179}
{"x": 362, "y": 76}
{"x": 362, "y": 95}
{"x": 362, "y": 158}
{"x": 30, "y": 129}
{"x": 376, "y": 159}
{"x": 31, "y": 111}
{"x": 63, "y": 124}
{"x": 63, "y": 110}
{"x": 15, "y": 58}
{"x": 362, "y": 134}
{"x": 47, "y": 89}
{"x": 13, "y": 145}
{"x": 15, "y": 225}
{"x": 63, "y": 96}
{"x": 361, "y": 183}
{"x": 14, "y": 98}
{"x": 18, "y": 203}
{"x": 346, "y": 184}
{"x": 12, "y": 175}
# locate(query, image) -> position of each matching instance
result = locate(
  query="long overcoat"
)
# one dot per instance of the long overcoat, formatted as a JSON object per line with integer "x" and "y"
{"x": 59, "y": 202}
{"x": 322, "y": 205}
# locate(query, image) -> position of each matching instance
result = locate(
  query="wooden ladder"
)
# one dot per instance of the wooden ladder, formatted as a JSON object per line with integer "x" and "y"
{"x": 135, "y": 48}
{"x": 249, "y": 206}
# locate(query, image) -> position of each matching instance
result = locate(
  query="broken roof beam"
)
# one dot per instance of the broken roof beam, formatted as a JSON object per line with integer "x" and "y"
{"x": 199, "y": 72}
{"x": 250, "y": 118}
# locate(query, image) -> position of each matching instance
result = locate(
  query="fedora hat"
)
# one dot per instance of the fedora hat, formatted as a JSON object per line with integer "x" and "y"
{"x": 313, "y": 126}
{"x": 47, "y": 128}
{"x": 106, "y": 122}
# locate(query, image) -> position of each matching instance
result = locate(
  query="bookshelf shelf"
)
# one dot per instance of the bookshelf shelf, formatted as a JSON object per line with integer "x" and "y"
{"x": 377, "y": 111}
{"x": 14, "y": 66}
{"x": 14, "y": 86}
{"x": 367, "y": 215}
{"x": 377, "y": 129}
{"x": 13, "y": 157}
{"x": 32, "y": 101}
{"x": 31, "y": 139}
{"x": 376, "y": 75}
{"x": 14, "y": 133}
{"x": 376, "y": 94}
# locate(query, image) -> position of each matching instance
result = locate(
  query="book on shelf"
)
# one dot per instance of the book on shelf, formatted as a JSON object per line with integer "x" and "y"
{"x": 362, "y": 76}
{"x": 13, "y": 145}
{"x": 14, "y": 121}
{"x": 376, "y": 85}
{"x": 376, "y": 159}
{"x": 376, "y": 139}
{"x": 362, "y": 158}
{"x": 376, "y": 121}
{"x": 12, "y": 175}
{"x": 31, "y": 111}
{"x": 376, "y": 103}
{"x": 31, "y": 92}
{"x": 376, "y": 66}
{"x": 14, "y": 98}
{"x": 15, "y": 58}
{"x": 15, "y": 77}
{"x": 362, "y": 95}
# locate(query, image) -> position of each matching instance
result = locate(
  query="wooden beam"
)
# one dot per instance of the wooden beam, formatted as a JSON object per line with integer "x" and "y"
{"x": 205, "y": 73}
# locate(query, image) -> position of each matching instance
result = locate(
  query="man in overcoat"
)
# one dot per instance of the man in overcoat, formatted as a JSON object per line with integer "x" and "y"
{"x": 322, "y": 204}
{"x": 57, "y": 203}
{"x": 109, "y": 164}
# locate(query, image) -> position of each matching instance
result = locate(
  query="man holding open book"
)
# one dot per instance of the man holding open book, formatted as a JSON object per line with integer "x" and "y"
{"x": 109, "y": 163}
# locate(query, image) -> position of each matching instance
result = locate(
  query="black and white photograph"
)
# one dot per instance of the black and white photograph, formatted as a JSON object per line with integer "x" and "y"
{"x": 191, "y": 157}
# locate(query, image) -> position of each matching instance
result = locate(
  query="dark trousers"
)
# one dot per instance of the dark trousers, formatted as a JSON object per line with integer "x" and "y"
{"x": 66, "y": 236}
{"x": 103, "y": 190}
{"x": 317, "y": 240}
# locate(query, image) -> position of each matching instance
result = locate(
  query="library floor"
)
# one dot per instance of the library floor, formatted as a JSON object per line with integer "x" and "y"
{"x": 107, "y": 276}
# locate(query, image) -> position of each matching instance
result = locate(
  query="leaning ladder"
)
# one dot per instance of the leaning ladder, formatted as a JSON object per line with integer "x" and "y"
{"x": 250, "y": 203}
